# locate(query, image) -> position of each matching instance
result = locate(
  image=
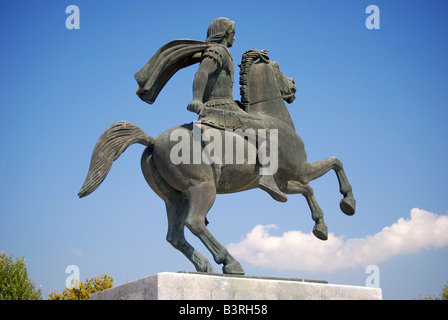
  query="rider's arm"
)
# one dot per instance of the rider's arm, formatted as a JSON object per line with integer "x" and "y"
{"x": 211, "y": 62}
{"x": 207, "y": 68}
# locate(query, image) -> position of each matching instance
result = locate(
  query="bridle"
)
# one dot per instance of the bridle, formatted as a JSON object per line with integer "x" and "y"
{"x": 286, "y": 96}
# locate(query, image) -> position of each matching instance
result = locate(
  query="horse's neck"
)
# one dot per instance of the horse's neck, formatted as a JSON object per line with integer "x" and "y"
{"x": 265, "y": 97}
{"x": 274, "y": 108}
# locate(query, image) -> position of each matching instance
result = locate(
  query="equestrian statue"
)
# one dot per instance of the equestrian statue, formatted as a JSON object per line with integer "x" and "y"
{"x": 189, "y": 187}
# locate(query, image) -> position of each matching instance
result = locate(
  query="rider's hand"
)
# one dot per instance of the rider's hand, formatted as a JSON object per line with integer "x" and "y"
{"x": 197, "y": 107}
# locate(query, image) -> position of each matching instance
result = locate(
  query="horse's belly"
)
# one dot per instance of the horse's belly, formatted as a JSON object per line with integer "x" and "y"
{"x": 237, "y": 177}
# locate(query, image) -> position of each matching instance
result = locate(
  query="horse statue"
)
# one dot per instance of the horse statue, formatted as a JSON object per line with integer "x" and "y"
{"x": 189, "y": 189}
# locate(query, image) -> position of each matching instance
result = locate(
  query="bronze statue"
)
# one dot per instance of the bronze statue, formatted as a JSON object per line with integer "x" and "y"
{"x": 189, "y": 188}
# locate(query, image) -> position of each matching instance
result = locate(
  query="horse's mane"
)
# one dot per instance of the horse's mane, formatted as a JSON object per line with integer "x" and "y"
{"x": 247, "y": 61}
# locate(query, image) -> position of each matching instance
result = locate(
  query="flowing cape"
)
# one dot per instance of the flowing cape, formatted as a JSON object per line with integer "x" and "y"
{"x": 169, "y": 59}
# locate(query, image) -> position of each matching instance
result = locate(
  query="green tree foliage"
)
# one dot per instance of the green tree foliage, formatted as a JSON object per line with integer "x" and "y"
{"x": 14, "y": 281}
{"x": 82, "y": 290}
{"x": 443, "y": 295}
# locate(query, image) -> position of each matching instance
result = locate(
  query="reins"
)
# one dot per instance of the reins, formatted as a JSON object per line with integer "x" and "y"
{"x": 272, "y": 99}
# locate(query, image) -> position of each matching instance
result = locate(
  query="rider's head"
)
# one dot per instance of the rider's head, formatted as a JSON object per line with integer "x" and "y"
{"x": 221, "y": 29}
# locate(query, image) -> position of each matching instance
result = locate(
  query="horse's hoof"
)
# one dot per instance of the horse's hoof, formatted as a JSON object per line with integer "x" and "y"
{"x": 321, "y": 231}
{"x": 210, "y": 269}
{"x": 233, "y": 268}
{"x": 206, "y": 267}
{"x": 348, "y": 205}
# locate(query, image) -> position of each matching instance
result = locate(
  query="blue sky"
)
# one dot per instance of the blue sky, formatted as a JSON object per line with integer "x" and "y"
{"x": 376, "y": 99}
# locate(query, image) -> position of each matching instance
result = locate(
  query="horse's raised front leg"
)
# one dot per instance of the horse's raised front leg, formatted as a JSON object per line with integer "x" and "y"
{"x": 315, "y": 169}
{"x": 320, "y": 229}
{"x": 201, "y": 198}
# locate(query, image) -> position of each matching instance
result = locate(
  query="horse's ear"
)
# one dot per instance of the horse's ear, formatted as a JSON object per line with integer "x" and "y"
{"x": 263, "y": 54}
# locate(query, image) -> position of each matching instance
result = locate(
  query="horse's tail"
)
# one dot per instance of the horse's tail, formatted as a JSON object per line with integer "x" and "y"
{"x": 112, "y": 143}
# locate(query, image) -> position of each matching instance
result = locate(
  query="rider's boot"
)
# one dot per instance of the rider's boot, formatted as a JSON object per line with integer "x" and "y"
{"x": 268, "y": 184}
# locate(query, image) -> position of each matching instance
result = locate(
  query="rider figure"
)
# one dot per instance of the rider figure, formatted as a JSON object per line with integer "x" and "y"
{"x": 213, "y": 87}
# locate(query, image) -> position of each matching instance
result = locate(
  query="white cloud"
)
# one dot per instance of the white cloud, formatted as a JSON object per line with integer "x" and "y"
{"x": 299, "y": 251}
{"x": 77, "y": 252}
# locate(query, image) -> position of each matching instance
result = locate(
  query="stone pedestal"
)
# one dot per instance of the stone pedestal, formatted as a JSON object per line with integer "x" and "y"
{"x": 197, "y": 286}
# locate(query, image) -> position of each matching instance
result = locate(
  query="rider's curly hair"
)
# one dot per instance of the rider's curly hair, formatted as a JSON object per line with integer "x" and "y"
{"x": 218, "y": 30}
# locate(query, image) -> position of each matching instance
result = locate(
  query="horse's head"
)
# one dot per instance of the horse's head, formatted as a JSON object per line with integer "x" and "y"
{"x": 262, "y": 80}
{"x": 286, "y": 85}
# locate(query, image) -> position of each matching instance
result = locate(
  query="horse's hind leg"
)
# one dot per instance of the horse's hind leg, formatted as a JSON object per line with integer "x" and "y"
{"x": 320, "y": 229}
{"x": 201, "y": 198}
{"x": 177, "y": 209}
{"x": 315, "y": 169}
{"x": 177, "y": 213}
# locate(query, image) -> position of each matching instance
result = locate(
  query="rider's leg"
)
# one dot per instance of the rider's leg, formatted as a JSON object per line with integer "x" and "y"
{"x": 269, "y": 165}
{"x": 266, "y": 181}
